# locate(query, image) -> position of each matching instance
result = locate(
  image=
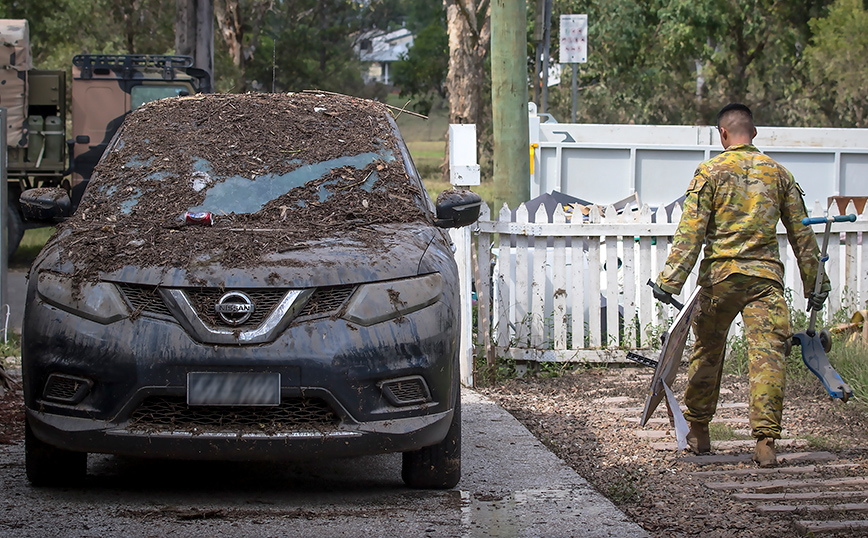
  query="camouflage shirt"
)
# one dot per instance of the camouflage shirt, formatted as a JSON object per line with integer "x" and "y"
{"x": 733, "y": 204}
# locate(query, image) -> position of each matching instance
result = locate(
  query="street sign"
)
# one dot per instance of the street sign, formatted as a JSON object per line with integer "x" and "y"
{"x": 574, "y": 39}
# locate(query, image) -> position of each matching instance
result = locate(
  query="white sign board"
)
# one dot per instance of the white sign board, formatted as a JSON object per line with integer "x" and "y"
{"x": 574, "y": 39}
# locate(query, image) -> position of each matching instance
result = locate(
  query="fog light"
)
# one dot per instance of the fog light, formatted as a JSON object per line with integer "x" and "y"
{"x": 406, "y": 390}
{"x": 66, "y": 389}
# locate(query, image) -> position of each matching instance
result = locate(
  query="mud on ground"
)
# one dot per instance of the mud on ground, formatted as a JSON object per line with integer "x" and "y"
{"x": 589, "y": 418}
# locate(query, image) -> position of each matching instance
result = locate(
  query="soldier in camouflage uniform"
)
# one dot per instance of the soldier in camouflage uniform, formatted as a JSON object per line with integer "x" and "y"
{"x": 733, "y": 205}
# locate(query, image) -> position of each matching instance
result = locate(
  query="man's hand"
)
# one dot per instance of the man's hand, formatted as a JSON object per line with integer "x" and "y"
{"x": 663, "y": 296}
{"x": 816, "y": 300}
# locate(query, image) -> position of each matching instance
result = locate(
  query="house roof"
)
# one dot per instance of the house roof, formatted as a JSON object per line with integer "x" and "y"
{"x": 384, "y": 47}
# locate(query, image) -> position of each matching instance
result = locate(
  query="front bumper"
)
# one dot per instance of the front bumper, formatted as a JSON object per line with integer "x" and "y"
{"x": 88, "y": 435}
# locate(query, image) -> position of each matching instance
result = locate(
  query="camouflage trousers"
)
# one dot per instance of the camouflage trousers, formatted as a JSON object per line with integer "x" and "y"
{"x": 767, "y": 328}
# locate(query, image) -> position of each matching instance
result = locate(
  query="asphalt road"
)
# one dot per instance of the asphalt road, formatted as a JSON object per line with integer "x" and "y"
{"x": 511, "y": 486}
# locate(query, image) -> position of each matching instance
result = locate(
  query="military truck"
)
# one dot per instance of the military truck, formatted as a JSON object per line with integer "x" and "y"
{"x": 104, "y": 89}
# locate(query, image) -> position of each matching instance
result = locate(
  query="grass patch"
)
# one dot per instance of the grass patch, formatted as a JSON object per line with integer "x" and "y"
{"x": 626, "y": 488}
{"x": 719, "y": 431}
{"x": 33, "y": 241}
{"x": 821, "y": 442}
{"x": 11, "y": 347}
{"x": 850, "y": 360}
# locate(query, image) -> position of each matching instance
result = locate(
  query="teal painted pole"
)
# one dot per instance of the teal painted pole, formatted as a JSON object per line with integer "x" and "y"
{"x": 509, "y": 101}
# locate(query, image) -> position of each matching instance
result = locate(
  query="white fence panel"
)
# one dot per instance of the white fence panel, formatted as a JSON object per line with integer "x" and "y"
{"x": 564, "y": 291}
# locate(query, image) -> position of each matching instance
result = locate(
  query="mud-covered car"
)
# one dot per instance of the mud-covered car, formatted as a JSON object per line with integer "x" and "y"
{"x": 247, "y": 277}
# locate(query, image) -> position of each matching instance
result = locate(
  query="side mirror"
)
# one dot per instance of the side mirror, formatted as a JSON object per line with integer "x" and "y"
{"x": 48, "y": 206}
{"x": 457, "y": 208}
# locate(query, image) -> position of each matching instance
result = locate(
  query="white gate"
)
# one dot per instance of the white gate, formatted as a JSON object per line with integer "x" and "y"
{"x": 563, "y": 291}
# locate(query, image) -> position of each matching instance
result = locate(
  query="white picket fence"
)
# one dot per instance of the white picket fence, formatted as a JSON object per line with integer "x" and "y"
{"x": 565, "y": 291}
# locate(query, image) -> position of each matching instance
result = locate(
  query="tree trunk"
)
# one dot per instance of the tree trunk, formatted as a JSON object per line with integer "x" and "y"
{"x": 194, "y": 33}
{"x": 468, "y": 25}
{"x": 231, "y": 29}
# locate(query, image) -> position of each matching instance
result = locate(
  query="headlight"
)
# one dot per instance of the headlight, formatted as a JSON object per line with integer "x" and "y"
{"x": 100, "y": 301}
{"x": 382, "y": 301}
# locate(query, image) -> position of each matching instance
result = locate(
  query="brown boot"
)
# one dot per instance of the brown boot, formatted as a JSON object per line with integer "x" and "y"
{"x": 764, "y": 454}
{"x": 697, "y": 438}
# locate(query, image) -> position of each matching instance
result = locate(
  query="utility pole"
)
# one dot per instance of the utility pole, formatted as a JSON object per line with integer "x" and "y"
{"x": 538, "y": 34}
{"x": 509, "y": 100}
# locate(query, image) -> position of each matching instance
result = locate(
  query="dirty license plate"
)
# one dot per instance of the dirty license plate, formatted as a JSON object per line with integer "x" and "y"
{"x": 233, "y": 388}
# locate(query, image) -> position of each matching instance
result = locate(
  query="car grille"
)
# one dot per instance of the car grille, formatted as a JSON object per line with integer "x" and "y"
{"x": 145, "y": 299}
{"x": 326, "y": 300}
{"x": 293, "y": 415}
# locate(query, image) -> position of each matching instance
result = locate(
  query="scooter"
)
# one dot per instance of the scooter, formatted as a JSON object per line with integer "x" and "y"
{"x": 816, "y": 345}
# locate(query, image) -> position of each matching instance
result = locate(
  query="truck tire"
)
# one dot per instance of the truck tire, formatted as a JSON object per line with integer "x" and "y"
{"x": 49, "y": 466}
{"x": 14, "y": 229}
{"x": 437, "y": 466}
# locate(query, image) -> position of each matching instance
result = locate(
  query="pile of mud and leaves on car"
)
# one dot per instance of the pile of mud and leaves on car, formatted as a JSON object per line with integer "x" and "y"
{"x": 274, "y": 135}
{"x": 590, "y": 418}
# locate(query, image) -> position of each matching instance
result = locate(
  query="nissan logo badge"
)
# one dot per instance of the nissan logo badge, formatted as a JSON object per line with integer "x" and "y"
{"x": 234, "y": 308}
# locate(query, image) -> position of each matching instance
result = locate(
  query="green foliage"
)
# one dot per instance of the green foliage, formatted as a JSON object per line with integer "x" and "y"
{"x": 838, "y": 61}
{"x": 849, "y": 357}
{"x": 11, "y": 346}
{"x": 59, "y": 29}
{"x": 625, "y": 487}
{"x": 421, "y": 74}
{"x": 308, "y": 44}
{"x": 679, "y": 61}
{"x": 486, "y": 375}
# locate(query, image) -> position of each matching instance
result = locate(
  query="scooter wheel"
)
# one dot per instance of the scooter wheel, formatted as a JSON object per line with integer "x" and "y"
{"x": 826, "y": 340}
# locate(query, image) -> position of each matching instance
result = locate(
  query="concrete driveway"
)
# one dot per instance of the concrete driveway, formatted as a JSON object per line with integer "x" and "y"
{"x": 511, "y": 487}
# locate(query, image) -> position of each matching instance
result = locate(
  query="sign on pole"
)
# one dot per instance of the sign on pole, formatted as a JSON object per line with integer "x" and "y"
{"x": 574, "y": 47}
{"x": 574, "y": 39}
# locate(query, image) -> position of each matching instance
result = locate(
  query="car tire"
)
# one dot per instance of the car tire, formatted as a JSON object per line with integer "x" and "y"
{"x": 437, "y": 466}
{"x": 49, "y": 466}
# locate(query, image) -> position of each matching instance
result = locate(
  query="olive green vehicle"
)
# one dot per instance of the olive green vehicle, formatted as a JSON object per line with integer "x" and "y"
{"x": 104, "y": 89}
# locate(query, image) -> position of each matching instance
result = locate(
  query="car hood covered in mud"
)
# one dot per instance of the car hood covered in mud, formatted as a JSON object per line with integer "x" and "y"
{"x": 264, "y": 189}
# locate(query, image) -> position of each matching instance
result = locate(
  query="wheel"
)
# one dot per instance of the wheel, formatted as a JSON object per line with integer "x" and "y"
{"x": 48, "y": 465}
{"x": 437, "y": 466}
{"x": 826, "y": 340}
{"x": 14, "y": 229}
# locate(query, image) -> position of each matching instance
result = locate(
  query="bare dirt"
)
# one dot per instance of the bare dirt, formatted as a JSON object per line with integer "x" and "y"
{"x": 171, "y": 152}
{"x": 590, "y": 418}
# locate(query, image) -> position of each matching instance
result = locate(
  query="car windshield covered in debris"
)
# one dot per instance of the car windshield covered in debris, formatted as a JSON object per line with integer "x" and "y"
{"x": 252, "y": 276}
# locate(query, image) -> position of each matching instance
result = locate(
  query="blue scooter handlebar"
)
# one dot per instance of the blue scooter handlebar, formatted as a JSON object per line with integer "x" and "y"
{"x": 807, "y": 221}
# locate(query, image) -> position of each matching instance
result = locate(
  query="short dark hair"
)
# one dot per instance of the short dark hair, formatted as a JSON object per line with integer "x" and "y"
{"x": 738, "y": 107}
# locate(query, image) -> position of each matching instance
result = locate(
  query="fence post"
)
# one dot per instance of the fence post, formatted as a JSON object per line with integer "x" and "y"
{"x": 464, "y": 172}
{"x": 4, "y": 209}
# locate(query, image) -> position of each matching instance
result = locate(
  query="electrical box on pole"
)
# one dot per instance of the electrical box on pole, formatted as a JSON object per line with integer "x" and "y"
{"x": 463, "y": 166}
